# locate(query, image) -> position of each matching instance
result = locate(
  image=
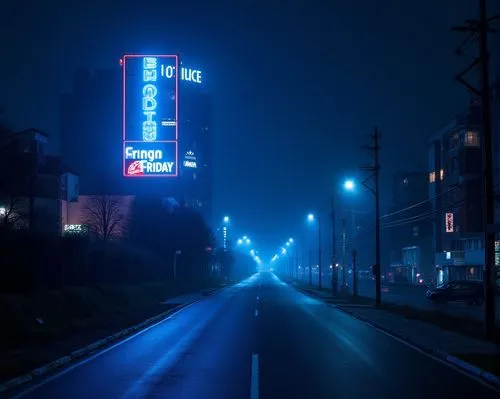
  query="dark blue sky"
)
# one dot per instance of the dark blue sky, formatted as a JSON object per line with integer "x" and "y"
{"x": 296, "y": 84}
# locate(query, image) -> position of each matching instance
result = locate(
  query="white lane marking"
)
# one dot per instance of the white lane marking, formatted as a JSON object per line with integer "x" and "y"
{"x": 82, "y": 362}
{"x": 254, "y": 387}
{"x": 456, "y": 368}
{"x": 256, "y": 312}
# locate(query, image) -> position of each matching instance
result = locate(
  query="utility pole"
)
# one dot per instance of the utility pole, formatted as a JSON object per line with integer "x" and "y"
{"x": 310, "y": 268}
{"x": 374, "y": 149}
{"x": 335, "y": 270}
{"x": 334, "y": 238}
{"x": 297, "y": 260}
{"x": 343, "y": 255}
{"x": 478, "y": 30}
{"x": 354, "y": 274}
{"x": 319, "y": 253}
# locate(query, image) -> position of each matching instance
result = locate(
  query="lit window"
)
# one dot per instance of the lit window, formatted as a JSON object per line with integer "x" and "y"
{"x": 432, "y": 177}
{"x": 441, "y": 174}
{"x": 471, "y": 139}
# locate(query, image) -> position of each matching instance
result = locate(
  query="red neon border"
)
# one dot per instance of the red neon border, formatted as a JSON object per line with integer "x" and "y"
{"x": 124, "y": 139}
{"x": 156, "y": 174}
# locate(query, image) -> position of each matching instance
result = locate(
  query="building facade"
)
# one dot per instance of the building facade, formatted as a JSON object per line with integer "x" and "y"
{"x": 407, "y": 230}
{"x": 35, "y": 185}
{"x": 455, "y": 193}
{"x": 91, "y": 126}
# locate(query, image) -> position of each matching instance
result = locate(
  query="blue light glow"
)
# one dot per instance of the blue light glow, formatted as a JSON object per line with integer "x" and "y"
{"x": 149, "y": 103}
{"x": 150, "y": 112}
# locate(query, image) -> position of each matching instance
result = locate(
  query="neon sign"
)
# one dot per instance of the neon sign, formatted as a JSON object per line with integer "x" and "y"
{"x": 150, "y": 158}
{"x": 147, "y": 161}
{"x": 190, "y": 160}
{"x": 449, "y": 223}
{"x": 187, "y": 74}
{"x": 75, "y": 229}
{"x": 149, "y": 103}
{"x": 150, "y": 115}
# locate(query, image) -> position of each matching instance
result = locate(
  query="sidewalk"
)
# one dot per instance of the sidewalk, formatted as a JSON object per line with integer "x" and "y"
{"x": 477, "y": 357}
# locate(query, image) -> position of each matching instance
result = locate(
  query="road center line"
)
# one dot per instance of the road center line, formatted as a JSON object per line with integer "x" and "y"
{"x": 256, "y": 312}
{"x": 254, "y": 387}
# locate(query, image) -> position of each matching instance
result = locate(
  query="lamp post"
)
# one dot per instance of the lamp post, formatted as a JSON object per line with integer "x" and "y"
{"x": 348, "y": 185}
{"x": 311, "y": 218}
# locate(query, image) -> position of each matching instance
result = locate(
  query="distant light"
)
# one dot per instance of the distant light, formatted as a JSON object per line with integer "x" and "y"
{"x": 349, "y": 185}
{"x": 226, "y": 219}
{"x": 248, "y": 241}
{"x": 290, "y": 239}
{"x": 240, "y": 241}
{"x": 245, "y": 237}
{"x": 288, "y": 244}
{"x": 310, "y": 217}
{"x": 283, "y": 251}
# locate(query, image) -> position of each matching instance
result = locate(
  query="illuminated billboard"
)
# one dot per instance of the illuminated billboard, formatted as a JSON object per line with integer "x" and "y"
{"x": 150, "y": 115}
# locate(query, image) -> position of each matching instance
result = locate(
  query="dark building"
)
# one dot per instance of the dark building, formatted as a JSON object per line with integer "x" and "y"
{"x": 35, "y": 186}
{"x": 91, "y": 141}
{"x": 407, "y": 230}
{"x": 455, "y": 192}
{"x": 195, "y": 148}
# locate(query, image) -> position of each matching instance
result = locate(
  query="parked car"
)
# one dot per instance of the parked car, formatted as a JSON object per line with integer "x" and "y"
{"x": 459, "y": 290}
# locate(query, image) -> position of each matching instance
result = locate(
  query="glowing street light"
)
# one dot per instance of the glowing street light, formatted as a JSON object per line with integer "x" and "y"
{"x": 349, "y": 185}
{"x": 283, "y": 251}
{"x": 226, "y": 219}
{"x": 290, "y": 240}
{"x": 310, "y": 217}
{"x": 287, "y": 244}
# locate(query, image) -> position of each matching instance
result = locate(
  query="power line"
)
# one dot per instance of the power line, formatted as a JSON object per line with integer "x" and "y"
{"x": 422, "y": 202}
{"x": 423, "y": 216}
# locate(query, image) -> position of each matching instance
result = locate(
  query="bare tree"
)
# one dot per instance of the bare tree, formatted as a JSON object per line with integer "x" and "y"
{"x": 13, "y": 212}
{"x": 104, "y": 216}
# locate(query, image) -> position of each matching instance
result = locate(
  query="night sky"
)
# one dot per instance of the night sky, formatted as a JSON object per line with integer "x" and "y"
{"x": 296, "y": 84}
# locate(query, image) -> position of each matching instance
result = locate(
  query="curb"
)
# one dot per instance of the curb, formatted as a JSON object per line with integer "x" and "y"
{"x": 79, "y": 353}
{"x": 455, "y": 361}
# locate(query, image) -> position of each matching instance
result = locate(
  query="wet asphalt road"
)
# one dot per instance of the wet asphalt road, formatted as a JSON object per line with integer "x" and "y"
{"x": 259, "y": 339}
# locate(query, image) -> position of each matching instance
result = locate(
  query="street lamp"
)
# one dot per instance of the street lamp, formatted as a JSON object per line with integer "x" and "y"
{"x": 311, "y": 218}
{"x": 349, "y": 185}
{"x": 226, "y": 219}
